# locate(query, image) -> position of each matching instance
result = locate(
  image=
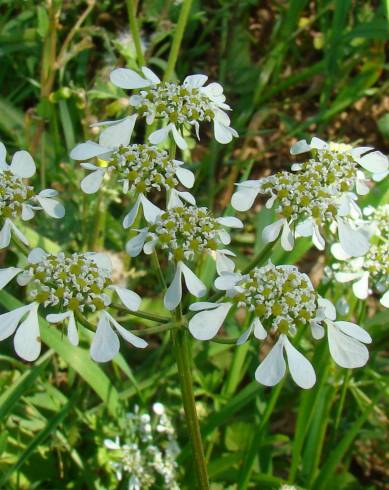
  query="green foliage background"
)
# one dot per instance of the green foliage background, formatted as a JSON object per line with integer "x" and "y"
{"x": 290, "y": 69}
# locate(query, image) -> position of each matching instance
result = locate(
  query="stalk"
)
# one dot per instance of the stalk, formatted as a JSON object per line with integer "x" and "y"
{"x": 131, "y": 7}
{"x": 182, "y": 354}
{"x": 178, "y": 35}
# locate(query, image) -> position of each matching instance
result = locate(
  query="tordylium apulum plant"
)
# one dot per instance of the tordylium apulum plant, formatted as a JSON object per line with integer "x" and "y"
{"x": 318, "y": 198}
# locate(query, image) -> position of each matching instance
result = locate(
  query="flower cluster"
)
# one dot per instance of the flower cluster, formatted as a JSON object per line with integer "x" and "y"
{"x": 370, "y": 273}
{"x": 146, "y": 458}
{"x": 139, "y": 169}
{"x": 186, "y": 233}
{"x": 281, "y": 300}
{"x": 18, "y": 200}
{"x": 71, "y": 285}
{"x": 178, "y": 105}
{"x": 318, "y": 197}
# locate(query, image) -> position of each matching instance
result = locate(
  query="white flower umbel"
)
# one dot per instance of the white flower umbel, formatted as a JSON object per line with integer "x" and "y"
{"x": 68, "y": 285}
{"x": 178, "y": 105}
{"x": 140, "y": 169}
{"x": 18, "y": 200}
{"x": 186, "y": 233}
{"x": 343, "y": 158}
{"x": 379, "y": 219}
{"x": 306, "y": 206}
{"x": 144, "y": 456}
{"x": 368, "y": 274}
{"x": 281, "y": 300}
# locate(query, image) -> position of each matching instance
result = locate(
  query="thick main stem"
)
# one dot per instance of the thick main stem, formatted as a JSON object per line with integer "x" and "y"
{"x": 182, "y": 354}
{"x": 131, "y": 7}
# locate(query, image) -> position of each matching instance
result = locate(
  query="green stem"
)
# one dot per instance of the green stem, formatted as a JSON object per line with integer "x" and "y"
{"x": 157, "y": 266}
{"x": 158, "y": 329}
{"x": 98, "y": 236}
{"x": 175, "y": 48}
{"x": 131, "y": 7}
{"x": 260, "y": 258}
{"x": 183, "y": 359}
{"x": 140, "y": 314}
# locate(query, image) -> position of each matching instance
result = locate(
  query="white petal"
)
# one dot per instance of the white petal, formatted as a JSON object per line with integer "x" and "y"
{"x": 385, "y": 299}
{"x": 305, "y": 228}
{"x": 259, "y": 330}
{"x": 354, "y": 331}
{"x": 118, "y": 134}
{"x": 361, "y": 287}
{"x": 230, "y": 221}
{"x": 132, "y": 214}
{"x": 224, "y": 236}
{"x": 27, "y": 341}
{"x": 272, "y": 231}
{"x": 328, "y": 307}
{"x": 287, "y": 239}
{"x": 129, "y": 298}
{"x": 193, "y": 283}
{"x": 23, "y": 164}
{"x": 19, "y": 234}
{"x": 160, "y": 135}
{"x": 150, "y": 75}
{"x": 270, "y": 202}
{"x": 92, "y": 182}
{"x": 203, "y": 305}
{"x": 128, "y": 336}
{"x": 346, "y": 351}
{"x": 173, "y": 294}
{"x": 52, "y": 207}
{"x": 186, "y": 177}
{"x": 105, "y": 344}
{"x": 374, "y": 162}
{"x": 186, "y": 196}
{"x": 338, "y": 252}
{"x": 244, "y": 198}
{"x": 36, "y": 255}
{"x": 223, "y": 263}
{"x": 317, "y": 239}
{"x": 87, "y": 150}
{"x": 135, "y": 245}
{"x": 272, "y": 368}
{"x": 317, "y": 330}
{"x": 5, "y": 234}
{"x": 6, "y": 275}
{"x": 300, "y": 368}
{"x": 149, "y": 247}
{"x": 72, "y": 332}
{"x": 150, "y": 210}
{"x": 300, "y": 147}
{"x": 10, "y": 320}
{"x": 343, "y": 277}
{"x": 245, "y": 335}
{"x": 3, "y": 154}
{"x": 227, "y": 280}
{"x": 206, "y": 324}
{"x": 213, "y": 90}
{"x": 223, "y": 134}
{"x": 128, "y": 79}
{"x": 318, "y": 144}
{"x": 378, "y": 176}
{"x": 180, "y": 141}
{"x": 27, "y": 212}
{"x": 195, "y": 81}
{"x": 354, "y": 242}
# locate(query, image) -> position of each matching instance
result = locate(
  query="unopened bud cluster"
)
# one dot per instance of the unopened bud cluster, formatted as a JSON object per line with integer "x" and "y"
{"x": 281, "y": 296}
{"x": 142, "y": 168}
{"x": 186, "y": 231}
{"x": 76, "y": 282}
{"x": 179, "y": 104}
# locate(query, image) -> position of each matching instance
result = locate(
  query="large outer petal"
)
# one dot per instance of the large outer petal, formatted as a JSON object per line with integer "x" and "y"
{"x": 300, "y": 368}
{"x": 346, "y": 351}
{"x": 105, "y": 343}
{"x": 206, "y": 324}
{"x": 128, "y": 79}
{"x": 27, "y": 340}
{"x": 272, "y": 368}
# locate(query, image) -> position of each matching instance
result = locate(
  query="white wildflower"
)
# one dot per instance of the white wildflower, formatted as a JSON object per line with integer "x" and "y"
{"x": 75, "y": 284}
{"x": 178, "y": 105}
{"x": 186, "y": 233}
{"x": 18, "y": 199}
